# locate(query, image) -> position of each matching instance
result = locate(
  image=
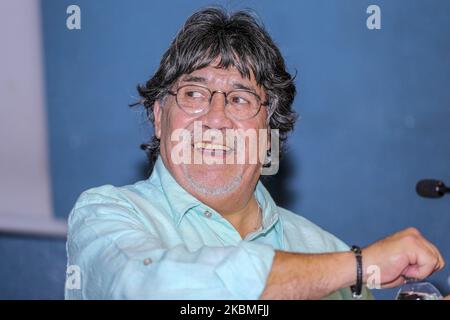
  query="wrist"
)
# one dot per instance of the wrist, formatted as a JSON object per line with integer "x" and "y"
{"x": 344, "y": 269}
{"x": 357, "y": 287}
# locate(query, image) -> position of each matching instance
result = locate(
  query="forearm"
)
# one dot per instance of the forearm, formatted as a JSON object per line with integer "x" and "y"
{"x": 309, "y": 276}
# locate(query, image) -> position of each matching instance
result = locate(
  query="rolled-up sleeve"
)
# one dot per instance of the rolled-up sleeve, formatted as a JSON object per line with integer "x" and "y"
{"x": 121, "y": 258}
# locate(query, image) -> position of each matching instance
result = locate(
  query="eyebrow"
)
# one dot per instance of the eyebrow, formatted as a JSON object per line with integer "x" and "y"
{"x": 241, "y": 86}
{"x": 235, "y": 85}
{"x": 190, "y": 78}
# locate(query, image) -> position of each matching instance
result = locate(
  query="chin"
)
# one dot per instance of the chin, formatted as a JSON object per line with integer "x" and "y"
{"x": 214, "y": 180}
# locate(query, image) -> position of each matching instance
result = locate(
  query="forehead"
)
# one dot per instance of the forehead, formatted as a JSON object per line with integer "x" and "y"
{"x": 214, "y": 74}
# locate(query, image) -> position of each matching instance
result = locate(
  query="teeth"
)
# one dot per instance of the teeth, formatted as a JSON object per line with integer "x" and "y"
{"x": 211, "y": 146}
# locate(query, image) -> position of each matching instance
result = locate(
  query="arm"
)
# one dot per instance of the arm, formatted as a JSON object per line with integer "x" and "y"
{"x": 119, "y": 258}
{"x": 111, "y": 247}
{"x": 308, "y": 276}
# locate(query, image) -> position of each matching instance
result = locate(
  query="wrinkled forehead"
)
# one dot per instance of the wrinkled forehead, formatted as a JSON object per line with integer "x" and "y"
{"x": 228, "y": 61}
{"x": 216, "y": 74}
{"x": 221, "y": 77}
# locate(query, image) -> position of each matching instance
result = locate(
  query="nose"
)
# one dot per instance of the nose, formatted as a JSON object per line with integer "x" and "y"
{"x": 216, "y": 117}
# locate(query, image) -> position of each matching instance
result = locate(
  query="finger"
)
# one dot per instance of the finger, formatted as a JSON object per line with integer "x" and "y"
{"x": 440, "y": 260}
{"x": 441, "y": 263}
{"x": 397, "y": 282}
{"x": 424, "y": 266}
{"x": 430, "y": 254}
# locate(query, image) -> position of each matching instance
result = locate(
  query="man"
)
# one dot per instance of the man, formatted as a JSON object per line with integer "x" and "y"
{"x": 202, "y": 226}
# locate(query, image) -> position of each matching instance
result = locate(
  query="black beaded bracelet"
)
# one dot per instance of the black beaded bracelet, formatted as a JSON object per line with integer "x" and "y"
{"x": 357, "y": 288}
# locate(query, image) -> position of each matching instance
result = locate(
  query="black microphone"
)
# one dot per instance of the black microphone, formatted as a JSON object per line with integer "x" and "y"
{"x": 430, "y": 188}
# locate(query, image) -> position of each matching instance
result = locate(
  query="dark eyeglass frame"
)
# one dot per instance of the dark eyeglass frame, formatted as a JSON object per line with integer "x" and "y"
{"x": 211, "y": 94}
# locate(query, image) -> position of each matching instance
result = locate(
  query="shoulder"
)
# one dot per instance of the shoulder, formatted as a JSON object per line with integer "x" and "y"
{"x": 120, "y": 203}
{"x": 99, "y": 195}
{"x": 303, "y": 235}
{"x": 126, "y": 195}
{"x": 113, "y": 194}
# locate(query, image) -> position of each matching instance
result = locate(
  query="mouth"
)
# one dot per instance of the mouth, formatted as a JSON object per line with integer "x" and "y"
{"x": 212, "y": 149}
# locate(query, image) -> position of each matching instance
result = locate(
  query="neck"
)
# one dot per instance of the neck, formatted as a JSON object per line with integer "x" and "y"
{"x": 245, "y": 219}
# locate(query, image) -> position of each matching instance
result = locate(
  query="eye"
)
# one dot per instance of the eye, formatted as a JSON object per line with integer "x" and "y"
{"x": 239, "y": 100}
{"x": 194, "y": 94}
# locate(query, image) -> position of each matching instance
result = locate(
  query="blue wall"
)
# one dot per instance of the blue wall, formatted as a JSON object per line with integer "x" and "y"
{"x": 31, "y": 267}
{"x": 375, "y": 108}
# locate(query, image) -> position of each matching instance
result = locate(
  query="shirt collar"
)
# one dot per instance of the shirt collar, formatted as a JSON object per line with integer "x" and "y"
{"x": 180, "y": 201}
{"x": 268, "y": 206}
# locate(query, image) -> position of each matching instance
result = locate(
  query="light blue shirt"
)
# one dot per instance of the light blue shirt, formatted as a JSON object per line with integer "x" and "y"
{"x": 154, "y": 240}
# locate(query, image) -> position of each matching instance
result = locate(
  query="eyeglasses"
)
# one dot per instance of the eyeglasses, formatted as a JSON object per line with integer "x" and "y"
{"x": 240, "y": 104}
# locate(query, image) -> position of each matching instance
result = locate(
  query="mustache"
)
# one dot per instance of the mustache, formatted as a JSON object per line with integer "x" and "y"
{"x": 231, "y": 138}
{"x": 221, "y": 137}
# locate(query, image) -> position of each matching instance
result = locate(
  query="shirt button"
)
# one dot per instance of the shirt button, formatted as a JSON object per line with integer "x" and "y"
{"x": 208, "y": 214}
{"x": 147, "y": 261}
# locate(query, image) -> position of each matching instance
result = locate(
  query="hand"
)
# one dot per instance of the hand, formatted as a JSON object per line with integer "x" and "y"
{"x": 447, "y": 297}
{"x": 404, "y": 254}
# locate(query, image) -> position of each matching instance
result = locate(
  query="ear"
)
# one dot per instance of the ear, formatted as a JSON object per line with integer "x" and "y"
{"x": 157, "y": 113}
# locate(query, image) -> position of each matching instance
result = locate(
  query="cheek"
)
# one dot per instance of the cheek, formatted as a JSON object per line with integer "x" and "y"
{"x": 256, "y": 148}
{"x": 257, "y": 123}
{"x": 173, "y": 120}
{"x": 263, "y": 115}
